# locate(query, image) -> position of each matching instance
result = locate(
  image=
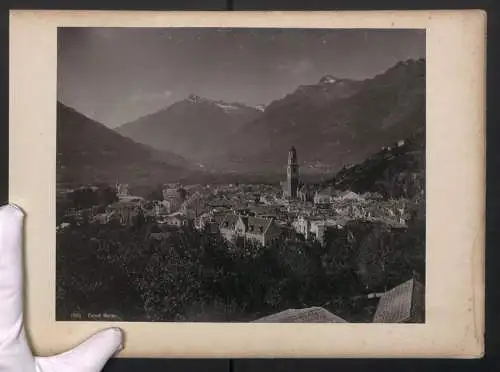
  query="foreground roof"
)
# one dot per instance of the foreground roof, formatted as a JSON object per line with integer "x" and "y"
{"x": 307, "y": 315}
{"x": 404, "y": 303}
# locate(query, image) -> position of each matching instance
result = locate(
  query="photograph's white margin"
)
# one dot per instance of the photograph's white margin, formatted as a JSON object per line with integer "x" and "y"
{"x": 455, "y": 193}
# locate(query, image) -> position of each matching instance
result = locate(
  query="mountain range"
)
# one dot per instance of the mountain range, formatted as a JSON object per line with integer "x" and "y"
{"x": 344, "y": 124}
{"x": 331, "y": 123}
{"x": 195, "y": 128}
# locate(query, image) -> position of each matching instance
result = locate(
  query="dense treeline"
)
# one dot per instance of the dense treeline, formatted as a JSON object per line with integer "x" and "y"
{"x": 198, "y": 276}
{"x": 85, "y": 198}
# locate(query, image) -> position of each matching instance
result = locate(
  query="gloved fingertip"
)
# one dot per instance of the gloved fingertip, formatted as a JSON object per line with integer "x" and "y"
{"x": 115, "y": 336}
{"x": 11, "y": 210}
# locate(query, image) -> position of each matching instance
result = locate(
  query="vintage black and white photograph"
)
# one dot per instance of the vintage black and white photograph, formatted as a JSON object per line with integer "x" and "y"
{"x": 241, "y": 175}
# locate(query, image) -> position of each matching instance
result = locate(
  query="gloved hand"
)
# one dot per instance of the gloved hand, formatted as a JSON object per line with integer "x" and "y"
{"x": 15, "y": 354}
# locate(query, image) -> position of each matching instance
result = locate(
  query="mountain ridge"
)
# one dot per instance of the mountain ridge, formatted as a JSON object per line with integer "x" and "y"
{"x": 343, "y": 130}
{"x": 192, "y": 127}
{"x": 88, "y": 152}
{"x": 334, "y": 122}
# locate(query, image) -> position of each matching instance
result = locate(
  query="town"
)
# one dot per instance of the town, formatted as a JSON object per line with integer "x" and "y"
{"x": 255, "y": 212}
{"x": 290, "y": 219}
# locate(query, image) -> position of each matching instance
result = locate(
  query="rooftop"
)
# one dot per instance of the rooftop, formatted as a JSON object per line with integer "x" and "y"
{"x": 256, "y": 224}
{"x": 307, "y": 315}
{"x": 400, "y": 304}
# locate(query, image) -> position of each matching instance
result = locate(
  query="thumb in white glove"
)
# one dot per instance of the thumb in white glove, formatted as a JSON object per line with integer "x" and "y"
{"x": 15, "y": 354}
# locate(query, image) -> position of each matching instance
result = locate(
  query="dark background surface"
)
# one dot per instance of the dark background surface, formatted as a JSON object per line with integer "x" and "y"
{"x": 491, "y": 361}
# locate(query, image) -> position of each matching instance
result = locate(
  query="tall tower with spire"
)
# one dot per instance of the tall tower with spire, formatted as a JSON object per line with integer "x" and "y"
{"x": 292, "y": 174}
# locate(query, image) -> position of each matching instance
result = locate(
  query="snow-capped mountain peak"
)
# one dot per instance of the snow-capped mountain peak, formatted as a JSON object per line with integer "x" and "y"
{"x": 328, "y": 79}
{"x": 227, "y": 106}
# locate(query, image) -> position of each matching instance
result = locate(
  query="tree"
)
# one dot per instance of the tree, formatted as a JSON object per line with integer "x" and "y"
{"x": 156, "y": 193}
{"x": 82, "y": 198}
{"x": 106, "y": 195}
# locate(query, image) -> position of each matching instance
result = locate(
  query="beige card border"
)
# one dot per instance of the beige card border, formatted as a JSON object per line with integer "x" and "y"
{"x": 455, "y": 193}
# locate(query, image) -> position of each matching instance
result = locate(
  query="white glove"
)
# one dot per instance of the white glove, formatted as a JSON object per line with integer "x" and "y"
{"x": 15, "y": 354}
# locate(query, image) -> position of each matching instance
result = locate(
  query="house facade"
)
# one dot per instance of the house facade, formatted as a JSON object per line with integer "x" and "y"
{"x": 173, "y": 197}
{"x": 262, "y": 230}
{"x": 177, "y": 220}
{"x": 314, "y": 227}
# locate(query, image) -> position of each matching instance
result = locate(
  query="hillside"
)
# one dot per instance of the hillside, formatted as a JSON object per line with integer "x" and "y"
{"x": 334, "y": 129}
{"x": 195, "y": 128}
{"x": 395, "y": 171}
{"x": 89, "y": 152}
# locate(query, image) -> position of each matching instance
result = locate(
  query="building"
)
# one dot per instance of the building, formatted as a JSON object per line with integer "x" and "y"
{"x": 202, "y": 221}
{"x": 267, "y": 199}
{"x": 348, "y": 195}
{"x": 262, "y": 230}
{"x": 292, "y": 174}
{"x": 104, "y": 218}
{"x": 194, "y": 206}
{"x": 316, "y": 227}
{"x": 159, "y": 208}
{"x": 172, "y": 205}
{"x": 305, "y": 193}
{"x": 125, "y": 212}
{"x": 302, "y": 226}
{"x": 173, "y": 197}
{"x": 174, "y": 191}
{"x": 307, "y": 315}
{"x": 177, "y": 220}
{"x": 324, "y": 197}
{"x": 227, "y": 226}
{"x": 138, "y": 200}
{"x": 402, "y": 304}
{"x": 122, "y": 190}
{"x": 320, "y": 231}
{"x": 155, "y": 232}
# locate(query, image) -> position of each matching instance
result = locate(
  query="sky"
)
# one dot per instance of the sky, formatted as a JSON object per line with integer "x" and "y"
{"x": 115, "y": 75}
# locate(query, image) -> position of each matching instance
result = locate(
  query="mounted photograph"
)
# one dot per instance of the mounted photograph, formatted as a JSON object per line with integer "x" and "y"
{"x": 213, "y": 174}
{"x": 251, "y": 184}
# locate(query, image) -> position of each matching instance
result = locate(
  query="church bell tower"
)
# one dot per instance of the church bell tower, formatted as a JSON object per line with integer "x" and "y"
{"x": 292, "y": 174}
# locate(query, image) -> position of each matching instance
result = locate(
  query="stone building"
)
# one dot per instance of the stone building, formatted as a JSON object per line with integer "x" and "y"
{"x": 292, "y": 174}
